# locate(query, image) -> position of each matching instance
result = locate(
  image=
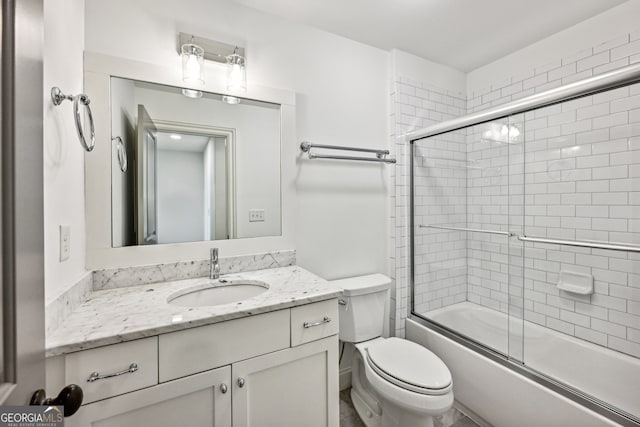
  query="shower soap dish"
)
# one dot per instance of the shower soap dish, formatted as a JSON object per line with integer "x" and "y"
{"x": 577, "y": 283}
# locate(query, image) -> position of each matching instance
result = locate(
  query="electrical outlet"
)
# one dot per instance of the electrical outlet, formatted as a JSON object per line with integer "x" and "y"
{"x": 256, "y": 215}
{"x": 65, "y": 242}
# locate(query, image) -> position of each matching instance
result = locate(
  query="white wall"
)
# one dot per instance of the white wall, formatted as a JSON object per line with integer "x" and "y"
{"x": 180, "y": 201}
{"x": 601, "y": 28}
{"x": 423, "y": 93}
{"x": 342, "y": 92}
{"x": 433, "y": 74}
{"x": 63, "y": 155}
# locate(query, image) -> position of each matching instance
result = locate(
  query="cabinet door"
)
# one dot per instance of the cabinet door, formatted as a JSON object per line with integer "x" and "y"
{"x": 288, "y": 388}
{"x": 194, "y": 401}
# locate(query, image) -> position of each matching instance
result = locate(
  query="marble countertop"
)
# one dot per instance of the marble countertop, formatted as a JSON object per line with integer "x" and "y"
{"x": 116, "y": 315}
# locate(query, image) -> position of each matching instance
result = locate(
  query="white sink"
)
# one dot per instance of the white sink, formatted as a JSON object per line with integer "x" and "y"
{"x": 217, "y": 292}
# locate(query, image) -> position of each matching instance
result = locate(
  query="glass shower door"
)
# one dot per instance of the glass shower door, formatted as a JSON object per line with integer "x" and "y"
{"x": 581, "y": 238}
{"x": 464, "y": 255}
{"x": 527, "y": 243}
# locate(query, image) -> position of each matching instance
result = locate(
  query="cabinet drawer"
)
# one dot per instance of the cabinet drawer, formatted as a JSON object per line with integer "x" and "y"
{"x": 314, "y": 321}
{"x": 113, "y": 359}
{"x": 199, "y": 349}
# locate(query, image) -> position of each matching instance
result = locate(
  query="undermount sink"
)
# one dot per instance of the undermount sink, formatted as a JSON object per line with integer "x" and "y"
{"x": 217, "y": 292}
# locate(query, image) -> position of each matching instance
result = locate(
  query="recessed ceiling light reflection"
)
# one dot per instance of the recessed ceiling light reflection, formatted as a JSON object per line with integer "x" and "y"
{"x": 175, "y": 136}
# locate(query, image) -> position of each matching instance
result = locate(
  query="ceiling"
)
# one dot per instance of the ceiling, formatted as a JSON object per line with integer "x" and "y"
{"x": 187, "y": 142}
{"x": 465, "y": 34}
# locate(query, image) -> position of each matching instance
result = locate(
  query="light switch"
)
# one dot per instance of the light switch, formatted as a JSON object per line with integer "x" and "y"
{"x": 65, "y": 242}
{"x": 256, "y": 215}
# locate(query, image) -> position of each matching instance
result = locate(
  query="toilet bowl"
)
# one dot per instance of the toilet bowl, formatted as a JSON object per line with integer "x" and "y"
{"x": 410, "y": 383}
{"x": 395, "y": 382}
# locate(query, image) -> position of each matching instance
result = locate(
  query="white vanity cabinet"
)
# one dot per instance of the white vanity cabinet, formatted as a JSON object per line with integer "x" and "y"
{"x": 293, "y": 387}
{"x": 273, "y": 369}
{"x": 195, "y": 401}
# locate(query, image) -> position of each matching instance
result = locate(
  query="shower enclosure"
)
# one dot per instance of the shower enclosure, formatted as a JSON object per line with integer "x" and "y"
{"x": 526, "y": 238}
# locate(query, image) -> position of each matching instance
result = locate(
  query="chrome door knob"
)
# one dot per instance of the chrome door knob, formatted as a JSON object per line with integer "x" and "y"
{"x": 223, "y": 388}
{"x": 241, "y": 382}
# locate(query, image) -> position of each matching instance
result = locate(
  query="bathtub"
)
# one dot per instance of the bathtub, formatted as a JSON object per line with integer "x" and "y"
{"x": 503, "y": 397}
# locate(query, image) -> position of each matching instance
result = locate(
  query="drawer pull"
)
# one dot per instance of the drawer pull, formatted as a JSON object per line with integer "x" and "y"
{"x": 96, "y": 376}
{"x": 307, "y": 325}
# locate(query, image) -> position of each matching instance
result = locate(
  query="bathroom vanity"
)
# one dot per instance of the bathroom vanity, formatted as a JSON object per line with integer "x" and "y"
{"x": 265, "y": 361}
{"x": 171, "y": 353}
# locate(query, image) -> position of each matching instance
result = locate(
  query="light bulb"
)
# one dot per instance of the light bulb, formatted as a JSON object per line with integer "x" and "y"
{"x": 236, "y": 72}
{"x": 236, "y": 78}
{"x": 192, "y": 68}
{"x": 192, "y": 64}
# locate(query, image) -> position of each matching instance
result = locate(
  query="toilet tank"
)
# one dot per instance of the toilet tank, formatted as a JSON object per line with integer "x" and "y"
{"x": 363, "y": 307}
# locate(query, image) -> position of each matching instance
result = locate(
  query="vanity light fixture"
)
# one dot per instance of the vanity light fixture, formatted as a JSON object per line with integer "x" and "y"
{"x": 236, "y": 72}
{"x": 233, "y": 100}
{"x": 192, "y": 62}
{"x": 195, "y": 50}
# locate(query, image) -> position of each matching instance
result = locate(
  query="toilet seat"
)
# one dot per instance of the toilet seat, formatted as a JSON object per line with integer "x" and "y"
{"x": 410, "y": 366}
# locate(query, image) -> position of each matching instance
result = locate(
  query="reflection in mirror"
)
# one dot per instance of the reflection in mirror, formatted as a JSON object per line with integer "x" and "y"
{"x": 199, "y": 168}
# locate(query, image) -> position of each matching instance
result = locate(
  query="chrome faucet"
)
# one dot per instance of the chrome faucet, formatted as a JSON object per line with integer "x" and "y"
{"x": 214, "y": 267}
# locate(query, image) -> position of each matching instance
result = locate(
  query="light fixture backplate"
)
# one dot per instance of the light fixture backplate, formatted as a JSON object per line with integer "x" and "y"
{"x": 213, "y": 50}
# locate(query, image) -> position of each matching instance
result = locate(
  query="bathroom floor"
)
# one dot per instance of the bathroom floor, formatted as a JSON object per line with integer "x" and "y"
{"x": 349, "y": 417}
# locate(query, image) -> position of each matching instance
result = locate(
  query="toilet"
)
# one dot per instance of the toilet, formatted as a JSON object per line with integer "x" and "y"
{"x": 394, "y": 382}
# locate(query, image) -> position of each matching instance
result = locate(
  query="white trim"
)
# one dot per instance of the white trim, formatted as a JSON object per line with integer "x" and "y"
{"x": 100, "y": 255}
{"x": 172, "y": 76}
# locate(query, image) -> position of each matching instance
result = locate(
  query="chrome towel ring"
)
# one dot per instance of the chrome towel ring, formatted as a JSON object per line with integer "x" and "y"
{"x": 121, "y": 152}
{"x": 58, "y": 97}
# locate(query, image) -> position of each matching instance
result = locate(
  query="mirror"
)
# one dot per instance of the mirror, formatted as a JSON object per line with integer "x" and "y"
{"x": 187, "y": 169}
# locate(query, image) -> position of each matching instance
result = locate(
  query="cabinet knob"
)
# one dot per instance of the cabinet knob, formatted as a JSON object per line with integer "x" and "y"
{"x": 241, "y": 382}
{"x": 223, "y": 388}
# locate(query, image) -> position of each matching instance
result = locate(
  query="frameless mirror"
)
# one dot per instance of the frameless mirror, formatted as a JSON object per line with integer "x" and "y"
{"x": 188, "y": 168}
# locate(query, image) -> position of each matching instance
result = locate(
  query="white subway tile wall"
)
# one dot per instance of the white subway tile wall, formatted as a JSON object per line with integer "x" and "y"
{"x": 442, "y": 277}
{"x": 577, "y": 176}
{"x": 440, "y": 198}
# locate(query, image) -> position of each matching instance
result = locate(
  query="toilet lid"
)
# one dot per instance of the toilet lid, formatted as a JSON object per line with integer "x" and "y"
{"x": 409, "y": 365}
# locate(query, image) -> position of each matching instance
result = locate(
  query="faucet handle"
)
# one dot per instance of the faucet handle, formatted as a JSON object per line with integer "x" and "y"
{"x": 214, "y": 254}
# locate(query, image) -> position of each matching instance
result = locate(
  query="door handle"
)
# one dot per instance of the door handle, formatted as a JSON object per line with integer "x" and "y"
{"x": 70, "y": 398}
